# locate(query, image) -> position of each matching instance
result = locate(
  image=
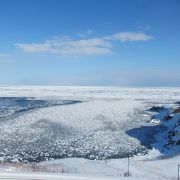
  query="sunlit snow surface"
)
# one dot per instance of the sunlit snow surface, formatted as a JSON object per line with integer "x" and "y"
{"x": 38, "y": 123}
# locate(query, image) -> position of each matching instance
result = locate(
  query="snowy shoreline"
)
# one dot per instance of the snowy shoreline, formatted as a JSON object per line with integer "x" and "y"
{"x": 119, "y": 106}
{"x": 162, "y": 154}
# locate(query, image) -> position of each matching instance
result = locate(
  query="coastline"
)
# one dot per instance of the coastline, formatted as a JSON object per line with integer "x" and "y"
{"x": 163, "y": 152}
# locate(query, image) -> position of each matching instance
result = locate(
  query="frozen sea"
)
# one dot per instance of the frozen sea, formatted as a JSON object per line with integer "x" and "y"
{"x": 41, "y": 123}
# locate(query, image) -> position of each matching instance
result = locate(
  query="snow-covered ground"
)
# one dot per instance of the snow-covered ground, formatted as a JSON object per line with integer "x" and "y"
{"x": 141, "y": 167}
{"x": 90, "y": 122}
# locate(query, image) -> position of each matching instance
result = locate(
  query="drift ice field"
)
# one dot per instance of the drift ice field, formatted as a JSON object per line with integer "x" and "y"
{"x": 44, "y": 123}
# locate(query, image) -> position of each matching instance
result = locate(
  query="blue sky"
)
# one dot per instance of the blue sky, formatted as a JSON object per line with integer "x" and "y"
{"x": 90, "y": 42}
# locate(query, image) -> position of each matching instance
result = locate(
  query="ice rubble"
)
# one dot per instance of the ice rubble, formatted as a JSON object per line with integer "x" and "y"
{"x": 95, "y": 128}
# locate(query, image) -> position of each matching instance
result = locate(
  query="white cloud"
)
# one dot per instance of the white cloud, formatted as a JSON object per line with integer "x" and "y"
{"x": 70, "y": 47}
{"x": 6, "y": 58}
{"x": 85, "y": 34}
{"x": 2, "y": 56}
{"x": 129, "y": 36}
{"x": 66, "y": 46}
{"x": 144, "y": 28}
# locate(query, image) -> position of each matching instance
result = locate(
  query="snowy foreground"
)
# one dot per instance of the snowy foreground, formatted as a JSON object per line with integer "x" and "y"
{"x": 101, "y": 126}
{"x": 143, "y": 167}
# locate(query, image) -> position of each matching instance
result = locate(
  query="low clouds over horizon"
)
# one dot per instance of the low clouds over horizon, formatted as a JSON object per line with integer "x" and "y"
{"x": 66, "y": 46}
{"x": 128, "y": 78}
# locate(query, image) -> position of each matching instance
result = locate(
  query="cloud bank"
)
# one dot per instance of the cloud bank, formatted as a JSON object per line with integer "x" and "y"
{"x": 131, "y": 77}
{"x": 66, "y": 46}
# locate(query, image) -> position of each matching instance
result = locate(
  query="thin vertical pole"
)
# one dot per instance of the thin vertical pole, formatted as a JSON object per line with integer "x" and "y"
{"x": 128, "y": 166}
{"x": 178, "y": 171}
{"x": 34, "y": 166}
